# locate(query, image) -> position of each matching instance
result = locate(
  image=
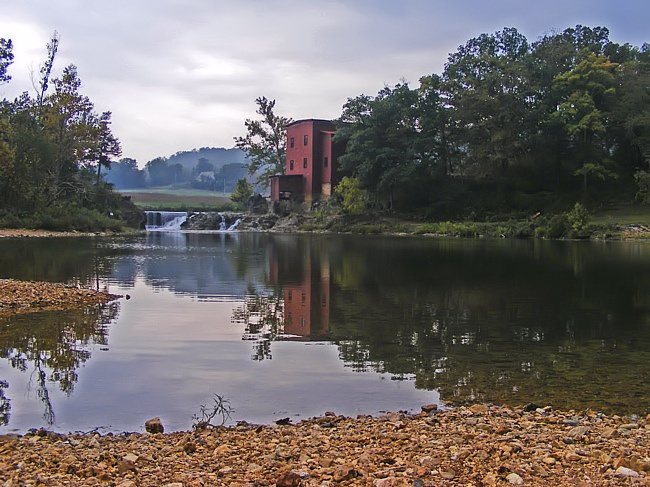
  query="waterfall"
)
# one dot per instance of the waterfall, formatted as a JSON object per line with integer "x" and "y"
{"x": 164, "y": 221}
{"x": 234, "y": 226}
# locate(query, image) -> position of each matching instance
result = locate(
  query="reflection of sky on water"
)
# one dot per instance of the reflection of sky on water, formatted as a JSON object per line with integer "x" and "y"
{"x": 168, "y": 354}
{"x": 500, "y": 321}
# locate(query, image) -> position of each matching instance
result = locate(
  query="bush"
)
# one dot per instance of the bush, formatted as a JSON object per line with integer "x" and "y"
{"x": 353, "y": 198}
{"x": 557, "y": 227}
{"x": 578, "y": 217}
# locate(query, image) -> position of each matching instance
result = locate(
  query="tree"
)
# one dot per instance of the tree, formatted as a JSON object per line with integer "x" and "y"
{"x": 242, "y": 192}
{"x": 380, "y": 135}
{"x": 588, "y": 93}
{"x": 353, "y": 198}
{"x": 487, "y": 84}
{"x": 6, "y": 58}
{"x": 105, "y": 145}
{"x": 265, "y": 142}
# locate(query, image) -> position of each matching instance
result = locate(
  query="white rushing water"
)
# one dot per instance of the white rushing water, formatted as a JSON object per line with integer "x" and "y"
{"x": 164, "y": 221}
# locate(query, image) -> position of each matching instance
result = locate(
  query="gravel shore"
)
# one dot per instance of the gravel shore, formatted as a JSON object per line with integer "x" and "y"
{"x": 30, "y": 296}
{"x": 475, "y": 446}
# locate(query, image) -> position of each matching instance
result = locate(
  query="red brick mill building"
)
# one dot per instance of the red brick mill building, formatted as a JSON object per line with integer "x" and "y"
{"x": 311, "y": 169}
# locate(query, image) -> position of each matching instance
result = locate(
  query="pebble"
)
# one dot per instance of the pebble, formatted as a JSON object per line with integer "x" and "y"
{"x": 626, "y": 472}
{"x": 515, "y": 479}
{"x": 459, "y": 446}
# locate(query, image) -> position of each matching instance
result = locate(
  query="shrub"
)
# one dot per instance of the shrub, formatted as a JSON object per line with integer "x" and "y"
{"x": 578, "y": 217}
{"x": 353, "y": 198}
{"x": 557, "y": 227}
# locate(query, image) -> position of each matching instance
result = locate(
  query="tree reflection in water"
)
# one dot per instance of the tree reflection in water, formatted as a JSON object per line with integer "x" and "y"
{"x": 53, "y": 345}
{"x": 263, "y": 320}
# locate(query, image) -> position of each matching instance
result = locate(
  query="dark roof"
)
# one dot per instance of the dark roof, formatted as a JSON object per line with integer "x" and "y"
{"x": 309, "y": 120}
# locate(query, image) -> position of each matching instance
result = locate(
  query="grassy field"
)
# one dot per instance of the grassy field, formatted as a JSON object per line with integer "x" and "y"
{"x": 178, "y": 199}
{"x": 627, "y": 215}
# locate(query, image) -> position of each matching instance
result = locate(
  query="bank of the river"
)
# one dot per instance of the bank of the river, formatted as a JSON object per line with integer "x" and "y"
{"x": 479, "y": 446}
{"x": 27, "y": 296}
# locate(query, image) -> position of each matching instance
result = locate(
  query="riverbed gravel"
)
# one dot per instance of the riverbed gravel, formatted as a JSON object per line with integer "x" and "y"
{"x": 479, "y": 445}
{"x": 30, "y": 296}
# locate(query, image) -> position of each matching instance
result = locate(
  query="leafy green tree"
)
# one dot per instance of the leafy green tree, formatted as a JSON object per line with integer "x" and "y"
{"x": 6, "y": 58}
{"x": 489, "y": 90}
{"x": 242, "y": 192}
{"x": 589, "y": 92}
{"x": 105, "y": 146}
{"x": 380, "y": 135}
{"x": 578, "y": 217}
{"x": 265, "y": 142}
{"x": 353, "y": 198}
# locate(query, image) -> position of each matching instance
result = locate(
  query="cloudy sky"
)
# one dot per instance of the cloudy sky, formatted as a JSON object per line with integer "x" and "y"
{"x": 184, "y": 74}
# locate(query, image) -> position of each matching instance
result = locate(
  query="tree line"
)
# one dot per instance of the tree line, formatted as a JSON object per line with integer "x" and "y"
{"x": 508, "y": 124}
{"x": 54, "y": 148}
{"x": 164, "y": 171}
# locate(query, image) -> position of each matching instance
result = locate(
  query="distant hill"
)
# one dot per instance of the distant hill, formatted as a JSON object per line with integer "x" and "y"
{"x": 217, "y": 156}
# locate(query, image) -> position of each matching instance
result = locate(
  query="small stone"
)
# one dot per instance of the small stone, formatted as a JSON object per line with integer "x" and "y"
{"x": 283, "y": 452}
{"x": 429, "y": 408}
{"x": 291, "y": 479}
{"x": 344, "y": 472}
{"x": 578, "y": 431}
{"x": 125, "y": 466}
{"x": 572, "y": 457}
{"x": 130, "y": 457}
{"x": 479, "y": 408}
{"x": 549, "y": 460}
{"x": 174, "y": 484}
{"x": 625, "y": 472}
{"x": 448, "y": 474}
{"x": 126, "y": 483}
{"x": 325, "y": 462}
{"x": 154, "y": 425}
{"x": 221, "y": 450}
{"x": 514, "y": 479}
{"x": 189, "y": 447}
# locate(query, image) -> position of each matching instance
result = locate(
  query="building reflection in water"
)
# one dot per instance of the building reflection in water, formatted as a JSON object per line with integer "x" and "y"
{"x": 297, "y": 307}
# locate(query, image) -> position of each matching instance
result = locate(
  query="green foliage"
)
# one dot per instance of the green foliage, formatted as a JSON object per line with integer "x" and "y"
{"x": 448, "y": 228}
{"x": 52, "y": 151}
{"x": 6, "y": 58}
{"x": 265, "y": 142}
{"x": 578, "y": 217}
{"x": 566, "y": 113}
{"x": 353, "y": 198}
{"x": 642, "y": 179}
{"x": 242, "y": 192}
{"x": 558, "y": 227}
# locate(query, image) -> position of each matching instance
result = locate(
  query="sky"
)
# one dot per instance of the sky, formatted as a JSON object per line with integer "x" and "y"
{"x": 184, "y": 74}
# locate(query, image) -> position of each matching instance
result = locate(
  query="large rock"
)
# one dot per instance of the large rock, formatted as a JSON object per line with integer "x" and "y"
{"x": 257, "y": 205}
{"x": 154, "y": 425}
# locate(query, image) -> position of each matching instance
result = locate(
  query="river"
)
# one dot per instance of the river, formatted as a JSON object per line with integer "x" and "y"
{"x": 293, "y": 326}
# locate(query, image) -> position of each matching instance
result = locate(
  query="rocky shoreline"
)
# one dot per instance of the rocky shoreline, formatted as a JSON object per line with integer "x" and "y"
{"x": 30, "y": 296}
{"x": 471, "y": 446}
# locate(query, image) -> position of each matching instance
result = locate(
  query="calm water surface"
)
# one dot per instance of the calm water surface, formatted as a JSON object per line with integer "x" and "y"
{"x": 285, "y": 325}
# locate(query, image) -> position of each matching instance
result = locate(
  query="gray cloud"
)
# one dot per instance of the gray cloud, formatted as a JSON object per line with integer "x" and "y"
{"x": 184, "y": 74}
